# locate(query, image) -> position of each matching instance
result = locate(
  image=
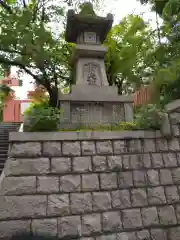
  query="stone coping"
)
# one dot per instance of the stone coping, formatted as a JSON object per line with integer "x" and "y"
{"x": 87, "y": 135}
{"x": 171, "y": 107}
{"x": 82, "y": 93}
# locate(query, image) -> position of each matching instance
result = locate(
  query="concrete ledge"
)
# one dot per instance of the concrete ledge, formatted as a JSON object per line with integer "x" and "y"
{"x": 106, "y": 94}
{"x": 82, "y": 50}
{"x": 72, "y": 136}
{"x": 171, "y": 107}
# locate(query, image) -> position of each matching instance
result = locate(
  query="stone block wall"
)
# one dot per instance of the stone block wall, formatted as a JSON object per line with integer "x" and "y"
{"x": 92, "y": 185}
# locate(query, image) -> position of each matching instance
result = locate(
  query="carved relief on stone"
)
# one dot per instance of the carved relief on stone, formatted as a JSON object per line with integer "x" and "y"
{"x": 91, "y": 72}
{"x": 87, "y": 113}
{"x": 79, "y": 112}
{"x": 97, "y": 113}
{"x": 117, "y": 112}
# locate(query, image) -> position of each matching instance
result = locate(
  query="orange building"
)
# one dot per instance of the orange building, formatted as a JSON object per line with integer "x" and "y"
{"x": 13, "y": 108}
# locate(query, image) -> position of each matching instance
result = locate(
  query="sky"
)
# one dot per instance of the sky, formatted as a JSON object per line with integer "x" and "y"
{"x": 120, "y": 9}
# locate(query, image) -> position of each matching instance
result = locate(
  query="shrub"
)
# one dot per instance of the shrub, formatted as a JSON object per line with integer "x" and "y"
{"x": 105, "y": 127}
{"x": 6, "y": 93}
{"x": 149, "y": 117}
{"x": 40, "y": 117}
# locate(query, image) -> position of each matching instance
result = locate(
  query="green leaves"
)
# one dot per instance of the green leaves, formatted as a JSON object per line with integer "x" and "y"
{"x": 28, "y": 42}
{"x": 171, "y": 8}
{"x": 149, "y": 117}
{"x": 129, "y": 45}
{"x": 40, "y": 117}
{"x": 157, "y": 5}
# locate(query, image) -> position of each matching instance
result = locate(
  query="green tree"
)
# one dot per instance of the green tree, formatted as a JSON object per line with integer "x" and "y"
{"x": 157, "y": 5}
{"x": 130, "y": 44}
{"x": 167, "y": 74}
{"x": 166, "y": 70}
{"x": 30, "y": 41}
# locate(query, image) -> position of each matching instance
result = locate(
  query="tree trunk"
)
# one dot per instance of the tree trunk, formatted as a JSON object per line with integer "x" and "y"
{"x": 53, "y": 97}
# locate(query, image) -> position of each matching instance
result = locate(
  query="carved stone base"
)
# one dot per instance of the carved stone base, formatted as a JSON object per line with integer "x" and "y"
{"x": 105, "y": 108}
{"x": 96, "y": 113}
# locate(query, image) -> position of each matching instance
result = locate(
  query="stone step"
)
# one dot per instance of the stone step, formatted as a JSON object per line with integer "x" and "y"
{"x": 3, "y": 150}
{"x": 5, "y": 129}
{"x": 2, "y": 164}
{"x": 4, "y": 143}
{"x": 8, "y": 127}
{"x": 3, "y": 159}
{"x": 3, "y": 146}
{"x": 6, "y": 133}
{"x": 3, "y": 154}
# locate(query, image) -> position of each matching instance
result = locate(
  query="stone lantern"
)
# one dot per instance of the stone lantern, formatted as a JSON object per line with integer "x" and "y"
{"x": 91, "y": 99}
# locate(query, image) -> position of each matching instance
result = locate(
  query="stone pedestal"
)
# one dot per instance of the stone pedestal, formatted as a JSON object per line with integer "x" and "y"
{"x": 95, "y": 105}
{"x": 91, "y": 100}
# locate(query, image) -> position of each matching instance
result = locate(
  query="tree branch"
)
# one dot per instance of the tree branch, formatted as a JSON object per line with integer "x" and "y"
{"x": 18, "y": 64}
{"x": 12, "y": 51}
{"x": 24, "y": 3}
{"x": 6, "y": 6}
{"x": 35, "y": 10}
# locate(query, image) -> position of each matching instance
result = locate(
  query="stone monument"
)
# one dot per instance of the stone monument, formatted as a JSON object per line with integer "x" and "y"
{"x": 91, "y": 100}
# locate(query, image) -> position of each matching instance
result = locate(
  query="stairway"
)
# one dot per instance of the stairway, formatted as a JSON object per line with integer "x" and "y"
{"x": 5, "y": 128}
